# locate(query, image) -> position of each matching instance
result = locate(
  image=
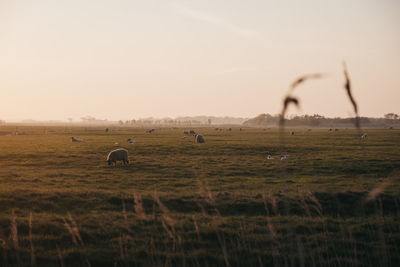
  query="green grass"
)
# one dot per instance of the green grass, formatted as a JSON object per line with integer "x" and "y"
{"x": 315, "y": 199}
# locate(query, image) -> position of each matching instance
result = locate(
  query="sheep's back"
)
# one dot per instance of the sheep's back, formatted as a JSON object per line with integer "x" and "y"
{"x": 118, "y": 154}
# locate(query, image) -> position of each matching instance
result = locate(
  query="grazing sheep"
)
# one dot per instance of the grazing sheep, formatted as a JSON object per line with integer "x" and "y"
{"x": 284, "y": 157}
{"x": 73, "y": 139}
{"x": 336, "y": 130}
{"x": 364, "y": 136}
{"x": 199, "y": 138}
{"x": 192, "y": 132}
{"x": 107, "y": 130}
{"x": 292, "y": 133}
{"x": 269, "y": 157}
{"x": 330, "y": 129}
{"x": 120, "y": 154}
{"x": 186, "y": 132}
{"x": 131, "y": 141}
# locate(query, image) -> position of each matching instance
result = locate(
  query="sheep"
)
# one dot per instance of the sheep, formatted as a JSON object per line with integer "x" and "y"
{"x": 192, "y": 132}
{"x": 120, "y": 154}
{"x": 199, "y": 138}
{"x": 292, "y": 133}
{"x": 107, "y": 130}
{"x": 330, "y": 129}
{"x": 284, "y": 157}
{"x": 364, "y": 136}
{"x": 185, "y": 132}
{"x": 73, "y": 139}
{"x": 336, "y": 130}
{"x": 131, "y": 141}
{"x": 270, "y": 157}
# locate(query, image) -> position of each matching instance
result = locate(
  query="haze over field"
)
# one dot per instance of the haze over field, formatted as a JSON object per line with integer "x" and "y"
{"x": 134, "y": 59}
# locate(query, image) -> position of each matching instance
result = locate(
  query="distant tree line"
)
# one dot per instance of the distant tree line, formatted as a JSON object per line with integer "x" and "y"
{"x": 262, "y": 120}
{"x": 316, "y": 120}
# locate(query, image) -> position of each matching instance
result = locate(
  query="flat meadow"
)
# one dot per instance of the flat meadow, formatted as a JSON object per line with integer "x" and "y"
{"x": 335, "y": 200}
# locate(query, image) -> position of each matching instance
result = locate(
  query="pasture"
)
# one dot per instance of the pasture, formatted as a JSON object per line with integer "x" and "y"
{"x": 335, "y": 201}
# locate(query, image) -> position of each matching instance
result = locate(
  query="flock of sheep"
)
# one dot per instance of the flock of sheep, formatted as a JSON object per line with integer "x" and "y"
{"x": 363, "y": 136}
{"x": 121, "y": 154}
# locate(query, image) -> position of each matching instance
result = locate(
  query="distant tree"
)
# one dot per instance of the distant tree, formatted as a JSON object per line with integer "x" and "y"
{"x": 391, "y": 116}
{"x": 317, "y": 116}
{"x": 88, "y": 118}
{"x": 209, "y": 121}
{"x": 121, "y": 122}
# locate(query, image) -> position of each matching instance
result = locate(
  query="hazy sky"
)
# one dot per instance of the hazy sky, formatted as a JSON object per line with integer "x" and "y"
{"x": 131, "y": 59}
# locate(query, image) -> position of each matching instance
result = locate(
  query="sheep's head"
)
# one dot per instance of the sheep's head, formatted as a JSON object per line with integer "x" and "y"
{"x": 109, "y": 162}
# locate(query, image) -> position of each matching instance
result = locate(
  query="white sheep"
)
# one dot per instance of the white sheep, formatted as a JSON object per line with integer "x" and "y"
{"x": 199, "y": 138}
{"x": 73, "y": 139}
{"x": 120, "y": 154}
{"x": 364, "y": 136}
{"x": 284, "y": 157}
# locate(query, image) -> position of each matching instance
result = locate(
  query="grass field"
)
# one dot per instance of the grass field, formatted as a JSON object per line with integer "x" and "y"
{"x": 334, "y": 202}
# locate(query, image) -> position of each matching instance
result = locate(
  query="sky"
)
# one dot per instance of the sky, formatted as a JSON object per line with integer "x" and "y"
{"x": 134, "y": 59}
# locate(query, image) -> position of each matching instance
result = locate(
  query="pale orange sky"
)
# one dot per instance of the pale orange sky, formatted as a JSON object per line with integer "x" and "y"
{"x": 132, "y": 59}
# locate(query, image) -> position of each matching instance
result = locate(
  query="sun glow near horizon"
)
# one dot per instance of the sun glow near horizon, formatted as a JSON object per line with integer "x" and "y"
{"x": 157, "y": 58}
